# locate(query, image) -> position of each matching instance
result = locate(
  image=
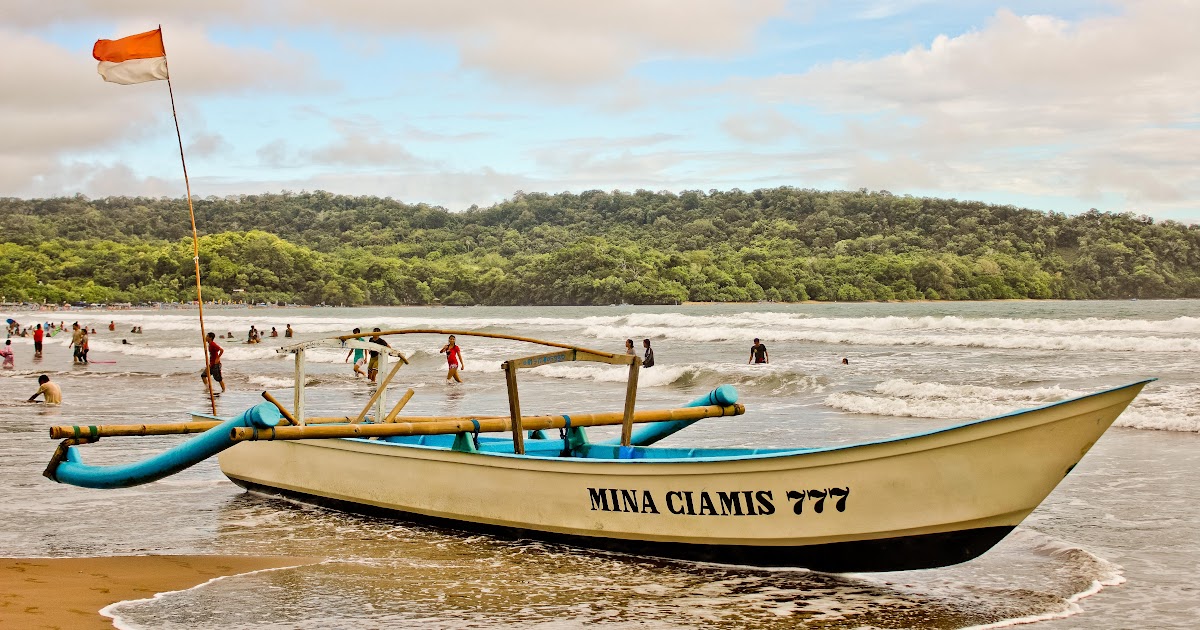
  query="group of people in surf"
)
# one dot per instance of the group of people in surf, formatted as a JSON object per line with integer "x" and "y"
{"x": 254, "y": 335}
{"x": 370, "y": 358}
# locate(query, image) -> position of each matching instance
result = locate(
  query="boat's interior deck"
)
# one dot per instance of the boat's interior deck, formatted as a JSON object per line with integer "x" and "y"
{"x": 537, "y": 446}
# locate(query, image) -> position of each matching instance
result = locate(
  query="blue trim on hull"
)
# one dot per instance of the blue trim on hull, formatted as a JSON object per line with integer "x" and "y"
{"x": 904, "y": 553}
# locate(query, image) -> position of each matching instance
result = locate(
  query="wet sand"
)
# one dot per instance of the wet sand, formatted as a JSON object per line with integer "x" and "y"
{"x": 68, "y": 593}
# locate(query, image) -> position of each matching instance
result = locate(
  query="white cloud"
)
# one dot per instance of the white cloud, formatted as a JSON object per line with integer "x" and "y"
{"x": 536, "y": 40}
{"x": 1027, "y": 105}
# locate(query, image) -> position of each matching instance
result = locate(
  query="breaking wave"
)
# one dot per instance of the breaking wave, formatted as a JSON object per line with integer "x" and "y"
{"x": 1168, "y": 408}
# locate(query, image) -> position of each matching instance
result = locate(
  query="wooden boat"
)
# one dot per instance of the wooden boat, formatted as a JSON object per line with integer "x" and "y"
{"x": 920, "y": 501}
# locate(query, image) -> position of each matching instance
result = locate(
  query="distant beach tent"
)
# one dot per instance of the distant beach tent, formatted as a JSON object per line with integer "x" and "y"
{"x": 134, "y": 59}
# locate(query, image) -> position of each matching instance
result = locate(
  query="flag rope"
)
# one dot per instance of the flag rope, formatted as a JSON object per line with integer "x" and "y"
{"x": 212, "y": 399}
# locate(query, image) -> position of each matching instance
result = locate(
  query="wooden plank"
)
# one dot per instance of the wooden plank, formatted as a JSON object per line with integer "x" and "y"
{"x": 545, "y": 359}
{"x": 514, "y": 407}
{"x": 630, "y": 397}
{"x": 611, "y": 359}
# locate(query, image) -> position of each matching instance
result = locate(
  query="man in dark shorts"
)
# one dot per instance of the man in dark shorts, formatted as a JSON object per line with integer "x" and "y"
{"x": 38, "y": 335}
{"x": 758, "y": 353}
{"x": 214, "y": 362}
{"x": 373, "y": 362}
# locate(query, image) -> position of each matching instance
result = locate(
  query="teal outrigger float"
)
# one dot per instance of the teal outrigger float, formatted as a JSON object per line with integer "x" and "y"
{"x": 921, "y": 501}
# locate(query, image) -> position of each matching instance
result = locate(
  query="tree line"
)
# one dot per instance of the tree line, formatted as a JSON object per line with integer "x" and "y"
{"x": 779, "y": 244}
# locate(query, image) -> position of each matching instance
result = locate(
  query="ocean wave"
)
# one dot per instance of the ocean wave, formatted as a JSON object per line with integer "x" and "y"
{"x": 1167, "y": 408}
{"x": 756, "y": 379}
{"x": 900, "y": 338}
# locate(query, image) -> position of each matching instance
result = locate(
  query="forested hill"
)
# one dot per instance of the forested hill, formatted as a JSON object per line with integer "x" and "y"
{"x": 782, "y": 244}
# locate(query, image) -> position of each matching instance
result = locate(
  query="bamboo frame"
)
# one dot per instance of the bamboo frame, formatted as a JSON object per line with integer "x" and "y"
{"x": 287, "y": 415}
{"x": 378, "y": 395}
{"x": 391, "y": 417}
{"x": 468, "y": 424}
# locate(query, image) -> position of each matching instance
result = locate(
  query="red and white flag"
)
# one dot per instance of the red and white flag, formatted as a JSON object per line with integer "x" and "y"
{"x": 134, "y": 59}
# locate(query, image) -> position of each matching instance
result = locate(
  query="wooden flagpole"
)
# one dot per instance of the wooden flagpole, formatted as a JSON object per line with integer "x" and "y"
{"x": 212, "y": 399}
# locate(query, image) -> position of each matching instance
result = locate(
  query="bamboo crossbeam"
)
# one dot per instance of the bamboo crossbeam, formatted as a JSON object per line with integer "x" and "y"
{"x": 472, "y": 333}
{"x": 391, "y": 417}
{"x": 467, "y": 424}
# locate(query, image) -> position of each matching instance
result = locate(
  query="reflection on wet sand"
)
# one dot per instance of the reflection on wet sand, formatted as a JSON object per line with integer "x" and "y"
{"x": 384, "y": 570}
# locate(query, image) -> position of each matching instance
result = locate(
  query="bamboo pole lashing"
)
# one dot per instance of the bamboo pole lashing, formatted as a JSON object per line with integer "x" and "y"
{"x": 391, "y": 417}
{"x": 467, "y": 424}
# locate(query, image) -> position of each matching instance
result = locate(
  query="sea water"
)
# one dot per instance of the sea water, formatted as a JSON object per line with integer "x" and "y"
{"x": 1115, "y": 546}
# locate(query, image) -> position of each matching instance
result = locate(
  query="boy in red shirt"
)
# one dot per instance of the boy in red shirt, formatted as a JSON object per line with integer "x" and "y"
{"x": 214, "y": 362}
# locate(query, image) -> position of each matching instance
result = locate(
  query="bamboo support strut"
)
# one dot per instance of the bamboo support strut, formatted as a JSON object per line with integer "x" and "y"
{"x": 514, "y": 407}
{"x": 630, "y": 398}
{"x": 287, "y": 415}
{"x": 467, "y": 424}
{"x": 391, "y": 417}
{"x": 379, "y": 391}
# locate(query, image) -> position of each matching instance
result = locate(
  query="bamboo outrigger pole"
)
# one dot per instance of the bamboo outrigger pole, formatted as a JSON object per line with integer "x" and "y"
{"x": 212, "y": 399}
{"x": 469, "y": 424}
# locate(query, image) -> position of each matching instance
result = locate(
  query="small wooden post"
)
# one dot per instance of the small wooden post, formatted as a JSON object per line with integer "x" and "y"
{"x": 381, "y": 392}
{"x": 630, "y": 398}
{"x": 514, "y": 407}
{"x": 298, "y": 401}
{"x": 378, "y": 395}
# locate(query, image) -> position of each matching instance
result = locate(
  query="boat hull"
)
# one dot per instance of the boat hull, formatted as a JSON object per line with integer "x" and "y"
{"x": 917, "y": 502}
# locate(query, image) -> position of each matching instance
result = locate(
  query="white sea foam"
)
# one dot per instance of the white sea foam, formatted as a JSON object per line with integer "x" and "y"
{"x": 112, "y": 611}
{"x": 1167, "y": 408}
{"x": 1092, "y": 571}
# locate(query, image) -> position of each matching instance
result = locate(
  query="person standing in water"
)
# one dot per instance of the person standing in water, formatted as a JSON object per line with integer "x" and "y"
{"x": 84, "y": 347}
{"x": 629, "y": 349}
{"x": 38, "y": 335}
{"x": 758, "y": 353}
{"x": 648, "y": 361}
{"x": 373, "y": 361}
{"x": 7, "y": 354}
{"x": 52, "y": 395}
{"x": 454, "y": 358}
{"x": 76, "y": 343}
{"x": 359, "y": 355}
{"x": 287, "y": 332}
{"x": 214, "y": 363}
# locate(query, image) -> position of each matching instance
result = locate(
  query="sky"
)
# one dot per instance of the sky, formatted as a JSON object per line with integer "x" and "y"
{"x": 1062, "y": 106}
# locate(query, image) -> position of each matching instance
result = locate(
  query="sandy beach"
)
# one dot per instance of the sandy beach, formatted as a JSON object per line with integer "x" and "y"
{"x": 68, "y": 593}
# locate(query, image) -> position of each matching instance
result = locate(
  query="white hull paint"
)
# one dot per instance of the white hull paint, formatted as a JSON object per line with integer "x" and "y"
{"x": 926, "y": 500}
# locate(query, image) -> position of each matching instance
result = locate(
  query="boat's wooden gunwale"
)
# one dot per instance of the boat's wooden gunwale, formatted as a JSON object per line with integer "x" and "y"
{"x": 812, "y": 457}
